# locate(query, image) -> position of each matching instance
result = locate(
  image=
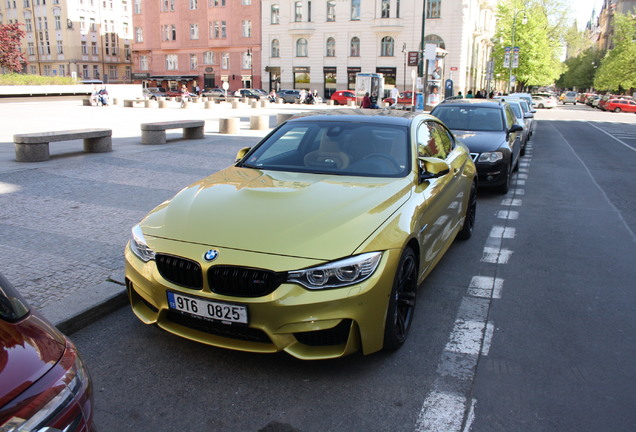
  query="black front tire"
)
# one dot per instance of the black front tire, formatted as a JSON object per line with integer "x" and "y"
{"x": 469, "y": 221}
{"x": 505, "y": 187}
{"x": 399, "y": 316}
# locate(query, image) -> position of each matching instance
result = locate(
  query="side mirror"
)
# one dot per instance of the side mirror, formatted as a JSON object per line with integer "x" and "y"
{"x": 431, "y": 168}
{"x": 528, "y": 115}
{"x": 515, "y": 128}
{"x": 241, "y": 153}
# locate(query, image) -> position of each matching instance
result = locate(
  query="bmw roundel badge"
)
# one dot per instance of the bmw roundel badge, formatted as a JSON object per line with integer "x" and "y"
{"x": 211, "y": 255}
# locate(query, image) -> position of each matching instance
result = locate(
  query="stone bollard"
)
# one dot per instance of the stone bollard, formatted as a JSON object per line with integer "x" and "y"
{"x": 254, "y": 103}
{"x": 283, "y": 117}
{"x": 164, "y": 103}
{"x": 86, "y": 102}
{"x": 264, "y": 103}
{"x": 228, "y": 125}
{"x": 351, "y": 104}
{"x": 235, "y": 104}
{"x": 209, "y": 104}
{"x": 186, "y": 105}
{"x": 259, "y": 122}
{"x": 330, "y": 102}
{"x": 149, "y": 103}
{"x": 118, "y": 101}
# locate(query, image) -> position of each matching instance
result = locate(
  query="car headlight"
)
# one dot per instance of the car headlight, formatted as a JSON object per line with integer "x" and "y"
{"x": 337, "y": 274}
{"x": 139, "y": 246}
{"x": 490, "y": 157}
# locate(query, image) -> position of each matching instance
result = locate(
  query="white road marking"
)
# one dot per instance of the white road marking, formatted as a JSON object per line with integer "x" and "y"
{"x": 490, "y": 329}
{"x": 507, "y": 214}
{"x": 466, "y": 337}
{"x": 441, "y": 412}
{"x": 485, "y": 287}
{"x": 502, "y": 232}
{"x": 507, "y": 202}
{"x": 496, "y": 256}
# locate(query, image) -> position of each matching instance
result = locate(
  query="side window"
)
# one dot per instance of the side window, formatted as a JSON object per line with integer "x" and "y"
{"x": 510, "y": 117}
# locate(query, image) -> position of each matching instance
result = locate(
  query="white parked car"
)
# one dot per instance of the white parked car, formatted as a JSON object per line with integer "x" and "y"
{"x": 570, "y": 97}
{"x": 544, "y": 102}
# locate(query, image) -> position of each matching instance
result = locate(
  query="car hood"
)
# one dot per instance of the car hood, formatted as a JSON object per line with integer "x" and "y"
{"x": 479, "y": 142}
{"x": 28, "y": 350}
{"x": 293, "y": 214}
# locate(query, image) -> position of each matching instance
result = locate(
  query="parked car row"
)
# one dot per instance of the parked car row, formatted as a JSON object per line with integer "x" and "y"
{"x": 609, "y": 102}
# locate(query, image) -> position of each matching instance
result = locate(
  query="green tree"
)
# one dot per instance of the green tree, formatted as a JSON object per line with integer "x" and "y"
{"x": 618, "y": 69}
{"x": 10, "y": 55}
{"x": 538, "y": 30}
{"x": 581, "y": 70}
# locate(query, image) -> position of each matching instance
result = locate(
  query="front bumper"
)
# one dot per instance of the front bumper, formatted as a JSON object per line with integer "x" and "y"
{"x": 306, "y": 324}
{"x": 492, "y": 174}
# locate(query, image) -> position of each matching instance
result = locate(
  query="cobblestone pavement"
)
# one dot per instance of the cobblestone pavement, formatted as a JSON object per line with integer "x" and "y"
{"x": 64, "y": 223}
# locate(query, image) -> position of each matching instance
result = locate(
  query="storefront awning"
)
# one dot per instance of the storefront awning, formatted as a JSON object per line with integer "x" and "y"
{"x": 173, "y": 77}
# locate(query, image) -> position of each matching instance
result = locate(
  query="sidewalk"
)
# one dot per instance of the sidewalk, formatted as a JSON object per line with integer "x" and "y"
{"x": 64, "y": 223}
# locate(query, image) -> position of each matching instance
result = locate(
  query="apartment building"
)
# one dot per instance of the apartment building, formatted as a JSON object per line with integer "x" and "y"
{"x": 603, "y": 33}
{"x": 322, "y": 44}
{"x": 202, "y": 43}
{"x": 87, "y": 39}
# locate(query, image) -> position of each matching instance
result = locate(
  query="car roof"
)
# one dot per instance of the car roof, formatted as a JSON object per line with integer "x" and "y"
{"x": 380, "y": 116}
{"x": 489, "y": 103}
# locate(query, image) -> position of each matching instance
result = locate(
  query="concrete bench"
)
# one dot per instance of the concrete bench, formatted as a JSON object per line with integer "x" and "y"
{"x": 155, "y": 133}
{"x": 34, "y": 147}
{"x": 132, "y": 102}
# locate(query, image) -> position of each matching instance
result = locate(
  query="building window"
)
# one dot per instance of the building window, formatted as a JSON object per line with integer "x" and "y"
{"x": 301, "y": 47}
{"x": 62, "y": 69}
{"x": 194, "y": 31}
{"x": 331, "y": 47}
{"x": 92, "y": 26}
{"x": 386, "y": 8}
{"x": 397, "y": 8}
{"x": 208, "y": 57}
{"x": 223, "y": 30}
{"x": 247, "y": 28}
{"x": 137, "y": 7}
{"x": 218, "y": 3}
{"x": 275, "y": 48}
{"x": 194, "y": 62}
{"x": 31, "y": 48}
{"x": 386, "y": 49}
{"x": 434, "y": 8}
{"x": 84, "y": 48}
{"x": 143, "y": 62}
{"x": 94, "y": 48}
{"x": 82, "y": 23}
{"x": 112, "y": 71}
{"x": 193, "y": 4}
{"x": 275, "y": 15}
{"x": 139, "y": 34}
{"x": 95, "y": 71}
{"x": 225, "y": 61}
{"x": 28, "y": 24}
{"x": 298, "y": 11}
{"x": 246, "y": 2}
{"x": 60, "y": 47}
{"x": 85, "y": 71}
{"x": 172, "y": 62}
{"x": 355, "y": 47}
{"x": 331, "y": 10}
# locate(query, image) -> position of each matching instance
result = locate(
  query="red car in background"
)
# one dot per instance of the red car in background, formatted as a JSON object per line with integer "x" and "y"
{"x": 44, "y": 384}
{"x": 342, "y": 97}
{"x": 619, "y": 105}
{"x": 404, "y": 99}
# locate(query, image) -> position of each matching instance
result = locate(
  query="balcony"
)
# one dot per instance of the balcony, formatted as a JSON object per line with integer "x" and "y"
{"x": 382, "y": 25}
{"x": 301, "y": 28}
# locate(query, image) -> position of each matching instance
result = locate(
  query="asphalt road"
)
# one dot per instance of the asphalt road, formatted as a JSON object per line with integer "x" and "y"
{"x": 528, "y": 326}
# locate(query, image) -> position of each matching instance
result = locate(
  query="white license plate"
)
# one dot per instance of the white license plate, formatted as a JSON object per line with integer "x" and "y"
{"x": 225, "y": 312}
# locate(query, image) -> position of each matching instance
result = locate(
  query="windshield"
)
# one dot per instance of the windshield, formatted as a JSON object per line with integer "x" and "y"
{"x": 332, "y": 147}
{"x": 472, "y": 118}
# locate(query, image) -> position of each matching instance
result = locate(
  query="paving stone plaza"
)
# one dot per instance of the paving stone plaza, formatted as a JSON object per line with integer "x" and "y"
{"x": 64, "y": 222}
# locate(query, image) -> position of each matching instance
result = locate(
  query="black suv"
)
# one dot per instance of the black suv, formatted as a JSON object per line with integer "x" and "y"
{"x": 489, "y": 130}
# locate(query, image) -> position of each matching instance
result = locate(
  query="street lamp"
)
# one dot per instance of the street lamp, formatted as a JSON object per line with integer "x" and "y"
{"x": 404, "y": 53}
{"x": 249, "y": 55}
{"x": 514, "y": 27}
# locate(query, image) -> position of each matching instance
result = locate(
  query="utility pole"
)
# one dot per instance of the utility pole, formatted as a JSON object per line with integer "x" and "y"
{"x": 421, "y": 72}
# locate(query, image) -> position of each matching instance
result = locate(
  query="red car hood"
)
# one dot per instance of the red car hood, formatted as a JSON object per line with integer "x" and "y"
{"x": 28, "y": 349}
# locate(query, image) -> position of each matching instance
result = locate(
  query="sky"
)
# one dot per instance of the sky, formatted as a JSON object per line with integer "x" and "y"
{"x": 582, "y": 10}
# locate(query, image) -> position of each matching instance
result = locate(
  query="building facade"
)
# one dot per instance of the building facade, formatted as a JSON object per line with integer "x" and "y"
{"x": 322, "y": 44}
{"x": 87, "y": 39}
{"x": 199, "y": 43}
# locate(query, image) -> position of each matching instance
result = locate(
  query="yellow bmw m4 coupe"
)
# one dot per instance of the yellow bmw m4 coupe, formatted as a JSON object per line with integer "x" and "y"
{"x": 314, "y": 242}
